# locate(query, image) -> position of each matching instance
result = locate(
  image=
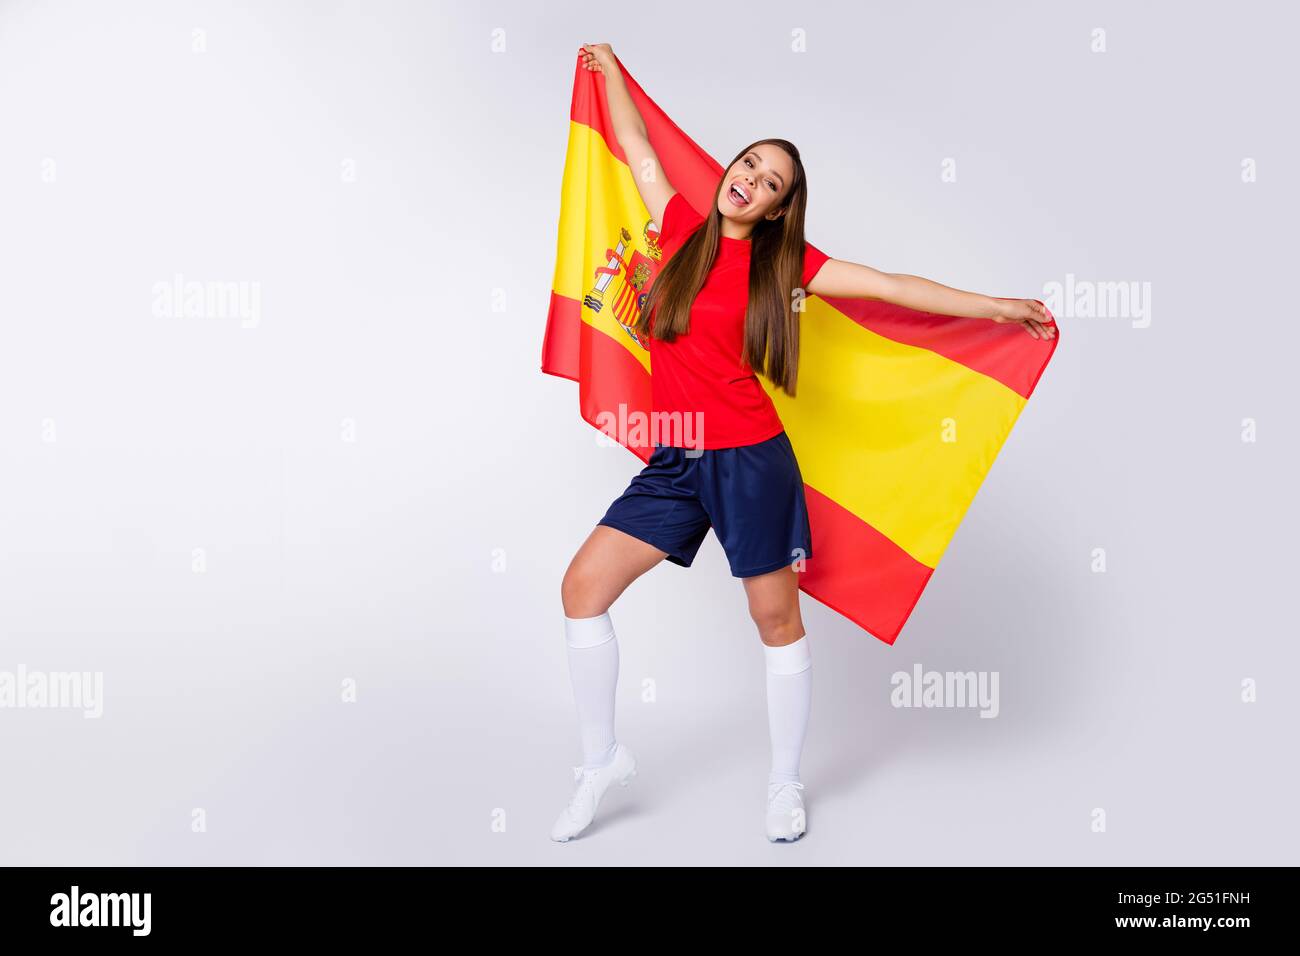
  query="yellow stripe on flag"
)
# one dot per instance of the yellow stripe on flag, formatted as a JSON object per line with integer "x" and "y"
{"x": 599, "y": 199}
{"x": 883, "y": 451}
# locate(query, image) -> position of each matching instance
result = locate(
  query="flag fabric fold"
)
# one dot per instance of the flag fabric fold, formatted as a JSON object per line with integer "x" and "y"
{"x": 899, "y": 414}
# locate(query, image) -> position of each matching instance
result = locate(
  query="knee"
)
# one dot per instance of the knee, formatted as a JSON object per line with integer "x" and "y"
{"x": 579, "y": 592}
{"x": 777, "y": 626}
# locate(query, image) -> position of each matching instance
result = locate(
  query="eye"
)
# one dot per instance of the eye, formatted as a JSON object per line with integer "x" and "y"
{"x": 772, "y": 184}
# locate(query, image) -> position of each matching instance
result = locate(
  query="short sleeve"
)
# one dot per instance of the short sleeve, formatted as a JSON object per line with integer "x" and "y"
{"x": 679, "y": 220}
{"x": 813, "y": 260}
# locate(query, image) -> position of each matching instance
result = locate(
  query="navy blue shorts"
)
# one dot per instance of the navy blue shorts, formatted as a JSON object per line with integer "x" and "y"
{"x": 752, "y": 496}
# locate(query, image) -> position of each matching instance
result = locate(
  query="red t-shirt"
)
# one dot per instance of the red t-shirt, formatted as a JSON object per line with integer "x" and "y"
{"x": 701, "y": 374}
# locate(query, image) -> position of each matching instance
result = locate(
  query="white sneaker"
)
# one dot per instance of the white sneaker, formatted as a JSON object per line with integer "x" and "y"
{"x": 591, "y": 786}
{"x": 786, "y": 819}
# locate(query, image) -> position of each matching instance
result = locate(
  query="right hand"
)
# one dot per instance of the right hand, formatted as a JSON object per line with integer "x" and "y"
{"x": 598, "y": 57}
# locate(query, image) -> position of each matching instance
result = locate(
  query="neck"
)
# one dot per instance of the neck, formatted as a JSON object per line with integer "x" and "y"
{"x": 731, "y": 231}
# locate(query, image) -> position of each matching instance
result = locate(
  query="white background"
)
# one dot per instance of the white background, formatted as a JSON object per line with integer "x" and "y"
{"x": 407, "y": 306}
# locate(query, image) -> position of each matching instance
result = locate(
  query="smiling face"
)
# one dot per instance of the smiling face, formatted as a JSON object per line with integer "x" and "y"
{"x": 756, "y": 185}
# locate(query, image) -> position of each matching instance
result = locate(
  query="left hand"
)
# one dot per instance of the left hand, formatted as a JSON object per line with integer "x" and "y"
{"x": 1030, "y": 313}
{"x": 598, "y": 58}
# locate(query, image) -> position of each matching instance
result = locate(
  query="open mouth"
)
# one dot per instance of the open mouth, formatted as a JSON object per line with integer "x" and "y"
{"x": 738, "y": 195}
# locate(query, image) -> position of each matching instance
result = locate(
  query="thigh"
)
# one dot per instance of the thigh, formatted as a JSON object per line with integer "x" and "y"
{"x": 608, "y": 561}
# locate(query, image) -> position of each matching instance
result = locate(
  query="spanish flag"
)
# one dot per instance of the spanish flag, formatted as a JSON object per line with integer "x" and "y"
{"x": 899, "y": 413}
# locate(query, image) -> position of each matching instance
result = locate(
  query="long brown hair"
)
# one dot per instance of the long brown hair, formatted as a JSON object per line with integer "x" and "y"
{"x": 775, "y": 268}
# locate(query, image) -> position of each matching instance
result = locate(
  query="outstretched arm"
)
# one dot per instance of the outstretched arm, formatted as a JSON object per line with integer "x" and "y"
{"x": 852, "y": 280}
{"x": 630, "y": 131}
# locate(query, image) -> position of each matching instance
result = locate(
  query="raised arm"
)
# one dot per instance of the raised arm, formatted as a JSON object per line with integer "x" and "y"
{"x": 852, "y": 280}
{"x": 630, "y": 131}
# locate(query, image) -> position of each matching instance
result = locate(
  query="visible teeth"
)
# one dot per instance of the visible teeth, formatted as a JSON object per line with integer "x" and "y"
{"x": 736, "y": 189}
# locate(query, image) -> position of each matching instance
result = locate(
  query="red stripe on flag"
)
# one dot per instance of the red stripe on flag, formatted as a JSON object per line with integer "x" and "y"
{"x": 1002, "y": 351}
{"x": 857, "y": 571}
{"x": 612, "y": 376}
{"x": 560, "y": 346}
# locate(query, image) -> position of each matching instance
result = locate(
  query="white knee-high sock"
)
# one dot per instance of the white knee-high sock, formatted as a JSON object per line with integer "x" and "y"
{"x": 789, "y": 700}
{"x": 593, "y": 667}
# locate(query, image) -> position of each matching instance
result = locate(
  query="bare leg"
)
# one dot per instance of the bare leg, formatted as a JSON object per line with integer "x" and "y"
{"x": 774, "y": 606}
{"x": 608, "y": 561}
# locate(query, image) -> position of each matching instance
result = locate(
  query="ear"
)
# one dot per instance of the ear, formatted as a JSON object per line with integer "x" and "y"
{"x": 779, "y": 213}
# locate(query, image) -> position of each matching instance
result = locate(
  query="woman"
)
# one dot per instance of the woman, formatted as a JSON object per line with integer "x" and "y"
{"x": 723, "y": 308}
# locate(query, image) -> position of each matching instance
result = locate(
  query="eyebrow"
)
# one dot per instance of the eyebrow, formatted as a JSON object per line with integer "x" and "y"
{"x": 779, "y": 180}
